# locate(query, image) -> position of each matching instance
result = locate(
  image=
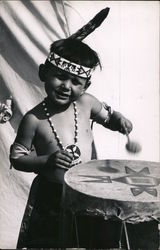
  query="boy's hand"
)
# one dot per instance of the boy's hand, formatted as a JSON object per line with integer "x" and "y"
{"x": 119, "y": 123}
{"x": 61, "y": 159}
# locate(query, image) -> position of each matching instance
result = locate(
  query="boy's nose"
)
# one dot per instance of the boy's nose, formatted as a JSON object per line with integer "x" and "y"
{"x": 67, "y": 84}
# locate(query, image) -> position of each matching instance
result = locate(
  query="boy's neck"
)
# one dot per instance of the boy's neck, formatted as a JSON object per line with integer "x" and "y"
{"x": 54, "y": 107}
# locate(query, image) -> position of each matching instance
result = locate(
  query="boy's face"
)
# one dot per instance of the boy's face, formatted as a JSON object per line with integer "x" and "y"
{"x": 63, "y": 87}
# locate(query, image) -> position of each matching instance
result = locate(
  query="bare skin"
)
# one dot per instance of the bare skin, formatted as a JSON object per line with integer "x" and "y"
{"x": 50, "y": 160}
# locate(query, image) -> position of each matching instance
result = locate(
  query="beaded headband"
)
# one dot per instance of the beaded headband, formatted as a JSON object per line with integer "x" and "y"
{"x": 69, "y": 66}
{"x": 82, "y": 33}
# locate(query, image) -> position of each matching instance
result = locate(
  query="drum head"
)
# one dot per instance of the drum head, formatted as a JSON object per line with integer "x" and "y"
{"x": 123, "y": 189}
{"x": 124, "y": 180}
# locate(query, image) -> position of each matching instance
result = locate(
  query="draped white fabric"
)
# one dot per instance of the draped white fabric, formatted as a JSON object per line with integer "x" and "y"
{"x": 127, "y": 43}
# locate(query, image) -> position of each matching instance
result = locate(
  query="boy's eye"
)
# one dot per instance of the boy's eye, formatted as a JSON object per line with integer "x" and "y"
{"x": 75, "y": 82}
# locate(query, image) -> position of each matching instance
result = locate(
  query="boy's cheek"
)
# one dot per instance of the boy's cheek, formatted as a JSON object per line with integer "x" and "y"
{"x": 77, "y": 94}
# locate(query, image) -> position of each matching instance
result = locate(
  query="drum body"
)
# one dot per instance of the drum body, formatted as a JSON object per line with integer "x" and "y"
{"x": 119, "y": 190}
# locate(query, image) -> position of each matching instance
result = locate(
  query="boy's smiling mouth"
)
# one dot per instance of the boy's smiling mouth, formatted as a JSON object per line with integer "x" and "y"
{"x": 62, "y": 95}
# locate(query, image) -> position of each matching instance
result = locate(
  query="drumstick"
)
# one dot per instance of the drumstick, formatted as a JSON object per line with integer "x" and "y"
{"x": 132, "y": 146}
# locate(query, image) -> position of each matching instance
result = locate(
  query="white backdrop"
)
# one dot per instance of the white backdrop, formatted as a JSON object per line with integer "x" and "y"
{"x": 128, "y": 45}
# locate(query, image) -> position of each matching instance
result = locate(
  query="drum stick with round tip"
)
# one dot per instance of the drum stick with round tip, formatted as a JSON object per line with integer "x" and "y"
{"x": 132, "y": 146}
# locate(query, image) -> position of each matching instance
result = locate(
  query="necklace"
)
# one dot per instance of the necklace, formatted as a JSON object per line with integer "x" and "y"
{"x": 71, "y": 148}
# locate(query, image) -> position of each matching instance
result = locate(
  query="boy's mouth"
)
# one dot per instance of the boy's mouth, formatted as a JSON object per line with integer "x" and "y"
{"x": 62, "y": 95}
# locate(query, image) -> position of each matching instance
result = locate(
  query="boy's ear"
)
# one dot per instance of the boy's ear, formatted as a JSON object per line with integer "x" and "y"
{"x": 88, "y": 83}
{"x": 42, "y": 72}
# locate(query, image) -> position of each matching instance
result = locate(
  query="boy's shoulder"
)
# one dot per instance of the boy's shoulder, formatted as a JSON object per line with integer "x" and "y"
{"x": 34, "y": 115}
{"x": 90, "y": 103}
{"x": 36, "y": 111}
{"x": 86, "y": 98}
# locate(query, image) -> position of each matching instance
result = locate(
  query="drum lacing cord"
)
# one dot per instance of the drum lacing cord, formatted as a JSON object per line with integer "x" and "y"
{"x": 123, "y": 226}
{"x": 75, "y": 222}
{"x": 76, "y": 228}
{"x": 158, "y": 220}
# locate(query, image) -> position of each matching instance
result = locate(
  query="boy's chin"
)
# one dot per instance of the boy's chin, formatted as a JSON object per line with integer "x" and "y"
{"x": 62, "y": 102}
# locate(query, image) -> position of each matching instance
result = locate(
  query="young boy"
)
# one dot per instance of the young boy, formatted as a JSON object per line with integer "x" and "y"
{"x": 59, "y": 129}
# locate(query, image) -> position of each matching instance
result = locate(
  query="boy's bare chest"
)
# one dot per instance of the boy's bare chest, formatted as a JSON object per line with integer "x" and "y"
{"x": 63, "y": 128}
{"x": 66, "y": 128}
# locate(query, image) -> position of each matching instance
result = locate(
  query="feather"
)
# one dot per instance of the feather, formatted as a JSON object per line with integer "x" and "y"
{"x": 91, "y": 25}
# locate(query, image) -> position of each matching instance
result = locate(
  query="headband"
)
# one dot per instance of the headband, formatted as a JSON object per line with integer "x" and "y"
{"x": 82, "y": 33}
{"x": 69, "y": 66}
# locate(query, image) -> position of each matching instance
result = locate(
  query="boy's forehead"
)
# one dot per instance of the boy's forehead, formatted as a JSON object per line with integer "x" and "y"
{"x": 55, "y": 70}
{"x": 71, "y": 76}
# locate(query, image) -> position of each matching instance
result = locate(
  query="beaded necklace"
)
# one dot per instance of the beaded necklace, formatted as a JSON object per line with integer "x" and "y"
{"x": 72, "y": 148}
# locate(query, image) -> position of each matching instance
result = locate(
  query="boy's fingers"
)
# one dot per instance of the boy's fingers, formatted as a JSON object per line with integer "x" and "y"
{"x": 67, "y": 154}
{"x": 65, "y": 158}
{"x": 126, "y": 126}
{"x": 123, "y": 128}
{"x": 63, "y": 162}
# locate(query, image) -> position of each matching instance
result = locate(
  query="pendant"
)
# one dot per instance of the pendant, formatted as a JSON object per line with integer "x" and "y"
{"x": 75, "y": 151}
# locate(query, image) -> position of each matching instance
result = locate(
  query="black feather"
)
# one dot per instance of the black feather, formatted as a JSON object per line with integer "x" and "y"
{"x": 91, "y": 25}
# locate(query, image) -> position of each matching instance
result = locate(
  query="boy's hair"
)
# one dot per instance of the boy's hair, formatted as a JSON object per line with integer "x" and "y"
{"x": 75, "y": 51}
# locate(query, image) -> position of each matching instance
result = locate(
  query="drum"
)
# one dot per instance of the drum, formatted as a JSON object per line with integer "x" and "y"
{"x": 126, "y": 190}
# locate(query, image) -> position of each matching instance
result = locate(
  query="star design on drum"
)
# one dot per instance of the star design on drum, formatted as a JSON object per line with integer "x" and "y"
{"x": 142, "y": 180}
{"x": 97, "y": 179}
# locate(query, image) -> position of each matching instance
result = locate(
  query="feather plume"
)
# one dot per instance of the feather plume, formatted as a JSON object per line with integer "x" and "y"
{"x": 91, "y": 25}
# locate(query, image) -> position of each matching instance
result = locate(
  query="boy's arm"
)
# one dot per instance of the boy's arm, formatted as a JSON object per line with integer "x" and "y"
{"x": 109, "y": 118}
{"x": 20, "y": 156}
{"x": 20, "y": 152}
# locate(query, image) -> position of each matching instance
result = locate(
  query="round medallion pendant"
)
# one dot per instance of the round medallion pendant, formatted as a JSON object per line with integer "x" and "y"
{"x": 75, "y": 151}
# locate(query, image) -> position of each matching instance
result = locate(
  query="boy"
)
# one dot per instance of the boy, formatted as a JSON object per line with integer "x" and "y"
{"x": 59, "y": 129}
